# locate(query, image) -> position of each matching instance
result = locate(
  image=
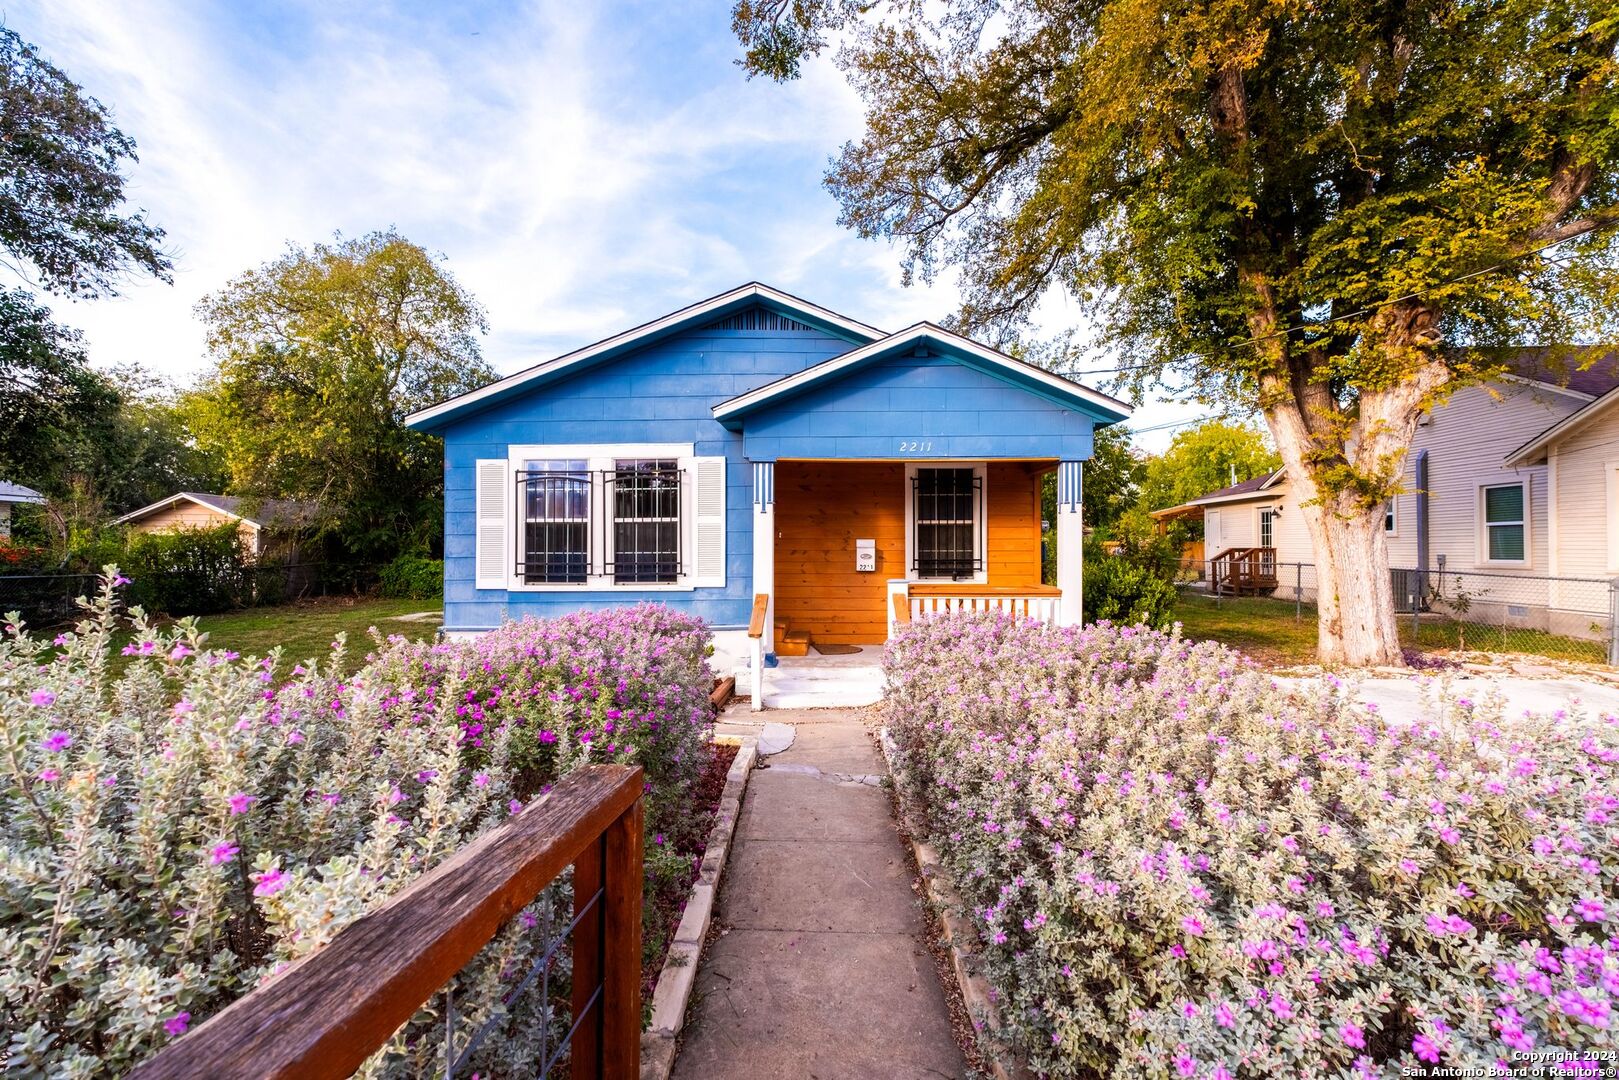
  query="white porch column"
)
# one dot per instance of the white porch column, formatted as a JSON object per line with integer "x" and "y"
{"x": 1070, "y": 544}
{"x": 764, "y": 544}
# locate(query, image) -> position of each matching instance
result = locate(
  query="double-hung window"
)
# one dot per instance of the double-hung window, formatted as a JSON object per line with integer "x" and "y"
{"x": 640, "y": 515}
{"x": 947, "y": 522}
{"x": 1505, "y": 523}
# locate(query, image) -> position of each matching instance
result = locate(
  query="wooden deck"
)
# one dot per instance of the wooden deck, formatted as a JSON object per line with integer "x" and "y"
{"x": 1244, "y": 571}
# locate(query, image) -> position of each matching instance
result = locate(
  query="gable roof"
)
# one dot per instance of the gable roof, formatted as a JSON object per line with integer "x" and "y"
{"x": 267, "y": 513}
{"x": 1589, "y": 371}
{"x": 1253, "y": 487}
{"x": 714, "y": 309}
{"x": 16, "y": 493}
{"x": 1533, "y": 452}
{"x": 1063, "y": 391}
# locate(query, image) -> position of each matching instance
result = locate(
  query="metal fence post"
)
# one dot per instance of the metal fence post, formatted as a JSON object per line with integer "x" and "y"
{"x": 1414, "y": 589}
{"x": 1613, "y": 621}
{"x": 1298, "y": 592}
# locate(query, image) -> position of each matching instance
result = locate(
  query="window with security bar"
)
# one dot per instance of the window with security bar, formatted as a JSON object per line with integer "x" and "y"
{"x": 947, "y": 511}
{"x": 645, "y": 498}
{"x": 555, "y": 500}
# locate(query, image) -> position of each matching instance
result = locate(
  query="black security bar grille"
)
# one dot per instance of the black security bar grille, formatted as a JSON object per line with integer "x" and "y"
{"x": 556, "y": 527}
{"x": 644, "y": 499}
{"x": 946, "y": 509}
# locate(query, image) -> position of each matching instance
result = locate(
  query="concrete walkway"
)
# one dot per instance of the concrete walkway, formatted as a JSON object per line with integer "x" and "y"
{"x": 823, "y": 972}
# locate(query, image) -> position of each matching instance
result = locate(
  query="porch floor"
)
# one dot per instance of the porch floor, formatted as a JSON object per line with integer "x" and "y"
{"x": 826, "y": 682}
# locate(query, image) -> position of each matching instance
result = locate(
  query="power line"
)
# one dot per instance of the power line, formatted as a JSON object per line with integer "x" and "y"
{"x": 1457, "y": 280}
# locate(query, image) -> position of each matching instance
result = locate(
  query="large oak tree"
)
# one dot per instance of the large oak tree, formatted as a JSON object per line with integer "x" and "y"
{"x": 1314, "y": 209}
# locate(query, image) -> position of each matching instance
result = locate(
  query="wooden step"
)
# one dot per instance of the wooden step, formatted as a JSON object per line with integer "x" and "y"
{"x": 793, "y": 643}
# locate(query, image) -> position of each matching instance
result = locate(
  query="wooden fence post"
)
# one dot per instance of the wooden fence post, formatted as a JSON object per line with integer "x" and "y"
{"x": 621, "y": 924}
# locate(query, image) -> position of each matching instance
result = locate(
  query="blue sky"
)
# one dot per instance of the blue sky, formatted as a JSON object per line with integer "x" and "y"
{"x": 582, "y": 166}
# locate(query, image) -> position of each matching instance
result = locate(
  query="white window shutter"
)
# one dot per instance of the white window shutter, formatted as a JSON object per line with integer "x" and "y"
{"x": 708, "y": 522}
{"x": 494, "y": 538}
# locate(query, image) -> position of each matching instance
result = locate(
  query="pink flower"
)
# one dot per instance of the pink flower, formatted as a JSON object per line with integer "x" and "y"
{"x": 1185, "y": 1064}
{"x": 177, "y": 1024}
{"x": 269, "y": 882}
{"x": 1425, "y": 1047}
{"x": 49, "y": 775}
{"x": 56, "y": 742}
{"x": 548, "y": 737}
{"x": 1282, "y": 1008}
{"x": 514, "y": 806}
{"x": 1589, "y": 909}
{"x": 1408, "y": 866}
{"x": 223, "y": 853}
{"x": 1223, "y": 1015}
{"x": 481, "y": 780}
{"x": 44, "y": 699}
{"x": 182, "y": 708}
{"x": 239, "y": 803}
{"x": 1192, "y": 926}
{"x": 1352, "y": 1036}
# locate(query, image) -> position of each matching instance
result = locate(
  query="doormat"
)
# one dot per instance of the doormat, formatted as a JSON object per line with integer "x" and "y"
{"x": 837, "y": 650}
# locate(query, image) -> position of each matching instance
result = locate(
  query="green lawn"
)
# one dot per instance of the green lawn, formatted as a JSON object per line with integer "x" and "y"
{"x": 1267, "y": 630}
{"x": 1264, "y": 629}
{"x": 306, "y": 628}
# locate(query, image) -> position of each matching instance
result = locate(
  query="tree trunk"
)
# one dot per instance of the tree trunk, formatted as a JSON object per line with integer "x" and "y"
{"x": 1354, "y": 593}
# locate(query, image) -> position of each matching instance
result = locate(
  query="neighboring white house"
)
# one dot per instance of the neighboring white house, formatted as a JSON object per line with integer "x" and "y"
{"x": 1505, "y": 485}
{"x": 14, "y": 493}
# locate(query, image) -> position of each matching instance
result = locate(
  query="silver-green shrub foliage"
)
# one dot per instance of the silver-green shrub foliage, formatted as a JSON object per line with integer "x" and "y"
{"x": 171, "y": 835}
{"x": 1179, "y": 868}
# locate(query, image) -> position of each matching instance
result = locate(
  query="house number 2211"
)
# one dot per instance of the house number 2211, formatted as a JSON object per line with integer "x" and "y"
{"x": 914, "y": 446}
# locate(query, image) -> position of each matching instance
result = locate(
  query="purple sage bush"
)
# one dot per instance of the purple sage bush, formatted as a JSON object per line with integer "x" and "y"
{"x": 1179, "y": 868}
{"x": 176, "y": 827}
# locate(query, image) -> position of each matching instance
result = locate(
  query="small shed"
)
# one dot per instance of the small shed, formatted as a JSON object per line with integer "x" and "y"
{"x": 267, "y": 526}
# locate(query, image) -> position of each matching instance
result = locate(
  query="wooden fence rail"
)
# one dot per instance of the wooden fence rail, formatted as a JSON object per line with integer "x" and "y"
{"x": 326, "y": 1014}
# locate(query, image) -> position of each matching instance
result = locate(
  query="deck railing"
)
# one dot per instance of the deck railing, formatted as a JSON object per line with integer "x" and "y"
{"x": 327, "y": 1014}
{"x": 912, "y": 599}
{"x": 1236, "y": 571}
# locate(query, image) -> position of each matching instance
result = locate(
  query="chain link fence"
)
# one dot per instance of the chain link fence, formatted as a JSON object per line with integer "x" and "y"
{"x": 48, "y": 600}
{"x": 1488, "y": 611}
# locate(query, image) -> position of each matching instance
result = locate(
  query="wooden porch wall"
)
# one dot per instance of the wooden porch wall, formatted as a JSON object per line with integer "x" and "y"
{"x": 822, "y": 507}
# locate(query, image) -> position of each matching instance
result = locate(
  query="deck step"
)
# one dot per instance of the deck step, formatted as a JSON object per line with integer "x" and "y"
{"x": 793, "y": 643}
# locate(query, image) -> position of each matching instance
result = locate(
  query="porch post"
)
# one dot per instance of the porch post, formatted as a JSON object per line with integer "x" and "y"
{"x": 764, "y": 544}
{"x": 1070, "y": 544}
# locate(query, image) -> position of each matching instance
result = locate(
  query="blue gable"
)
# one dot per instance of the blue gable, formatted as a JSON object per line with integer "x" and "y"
{"x": 661, "y": 393}
{"x": 917, "y": 407}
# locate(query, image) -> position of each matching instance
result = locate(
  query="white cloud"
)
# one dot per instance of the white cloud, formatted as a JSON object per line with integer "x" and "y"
{"x": 581, "y": 168}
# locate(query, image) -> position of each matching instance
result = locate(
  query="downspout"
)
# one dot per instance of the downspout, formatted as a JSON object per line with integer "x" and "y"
{"x": 1422, "y": 528}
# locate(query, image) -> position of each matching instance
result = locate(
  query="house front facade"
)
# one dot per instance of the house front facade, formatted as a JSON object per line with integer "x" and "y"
{"x": 268, "y": 527}
{"x": 755, "y": 448}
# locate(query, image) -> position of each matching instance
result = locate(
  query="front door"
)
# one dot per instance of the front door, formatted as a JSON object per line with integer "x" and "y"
{"x": 1213, "y": 543}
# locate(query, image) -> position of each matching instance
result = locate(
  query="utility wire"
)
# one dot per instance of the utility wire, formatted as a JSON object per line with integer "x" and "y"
{"x": 1457, "y": 280}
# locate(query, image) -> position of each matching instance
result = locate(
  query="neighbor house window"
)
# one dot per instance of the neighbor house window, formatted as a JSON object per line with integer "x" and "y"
{"x": 646, "y": 521}
{"x": 1504, "y": 529}
{"x": 1388, "y": 516}
{"x": 946, "y": 517}
{"x": 555, "y": 500}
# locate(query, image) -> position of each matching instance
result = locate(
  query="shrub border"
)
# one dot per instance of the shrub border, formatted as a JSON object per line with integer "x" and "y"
{"x": 1003, "y": 1061}
{"x": 679, "y": 974}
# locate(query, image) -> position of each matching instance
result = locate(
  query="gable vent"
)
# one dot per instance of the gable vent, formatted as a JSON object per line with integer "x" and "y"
{"x": 756, "y": 319}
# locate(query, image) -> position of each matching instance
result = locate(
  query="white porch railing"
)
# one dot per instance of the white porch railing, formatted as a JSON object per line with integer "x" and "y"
{"x": 912, "y": 599}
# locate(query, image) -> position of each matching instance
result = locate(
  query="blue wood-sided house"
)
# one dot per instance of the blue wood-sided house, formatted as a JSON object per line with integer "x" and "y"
{"x": 757, "y": 444}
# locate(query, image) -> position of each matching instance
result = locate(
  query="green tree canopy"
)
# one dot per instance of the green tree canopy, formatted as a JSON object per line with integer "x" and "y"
{"x": 1113, "y": 477}
{"x": 319, "y": 356}
{"x": 48, "y": 391}
{"x": 1315, "y": 210}
{"x": 1204, "y": 458}
{"x": 61, "y": 185}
